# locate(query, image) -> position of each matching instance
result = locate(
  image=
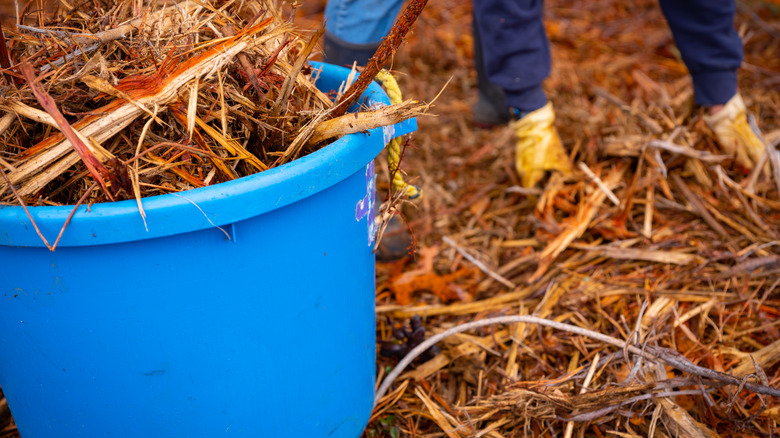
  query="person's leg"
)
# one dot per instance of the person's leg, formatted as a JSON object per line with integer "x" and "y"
{"x": 712, "y": 50}
{"x": 355, "y": 28}
{"x": 490, "y": 109}
{"x": 709, "y": 44}
{"x": 516, "y": 58}
{"x": 515, "y": 49}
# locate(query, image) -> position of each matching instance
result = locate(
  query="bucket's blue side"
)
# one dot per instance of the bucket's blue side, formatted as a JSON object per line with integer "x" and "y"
{"x": 194, "y": 335}
{"x": 261, "y": 327}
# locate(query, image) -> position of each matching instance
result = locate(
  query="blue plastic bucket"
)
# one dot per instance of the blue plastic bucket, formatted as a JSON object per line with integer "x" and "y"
{"x": 245, "y": 309}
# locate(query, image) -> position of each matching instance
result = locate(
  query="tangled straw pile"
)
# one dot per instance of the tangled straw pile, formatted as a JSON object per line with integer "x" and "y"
{"x": 116, "y": 100}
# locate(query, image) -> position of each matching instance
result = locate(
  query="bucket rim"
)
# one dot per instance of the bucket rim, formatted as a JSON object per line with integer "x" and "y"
{"x": 212, "y": 206}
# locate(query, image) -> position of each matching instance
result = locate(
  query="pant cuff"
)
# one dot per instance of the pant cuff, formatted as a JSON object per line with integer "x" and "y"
{"x": 527, "y": 100}
{"x": 714, "y": 87}
{"x": 341, "y": 52}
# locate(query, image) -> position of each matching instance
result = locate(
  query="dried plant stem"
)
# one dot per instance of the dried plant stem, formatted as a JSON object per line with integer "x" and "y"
{"x": 586, "y": 211}
{"x": 290, "y": 80}
{"x": 386, "y": 50}
{"x": 34, "y": 114}
{"x": 134, "y": 175}
{"x": 649, "y": 352}
{"x": 496, "y": 276}
{"x": 687, "y": 151}
{"x": 93, "y": 164}
{"x": 24, "y": 206}
{"x": 303, "y": 137}
{"x": 699, "y": 207}
{"x": 649, "y": 123}
{"x": 246, "y": 65}
{"x": 364, "y": 120}
{"x": 591, "y": 416}
{"x": 599, "y": 183}
{"x": 585, "y": 384}
{"x": 6, "y": 121}
{"x": 72, "y": 212}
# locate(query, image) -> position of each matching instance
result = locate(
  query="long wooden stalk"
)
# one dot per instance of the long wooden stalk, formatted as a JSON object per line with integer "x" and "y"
{"x": 385, "y": 51}
{"x": 365, "y": 120}
{"x": 96, "y": 168}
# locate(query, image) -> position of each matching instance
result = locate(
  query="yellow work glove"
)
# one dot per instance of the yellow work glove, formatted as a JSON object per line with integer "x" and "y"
{"x": 734, "y": 134}
{"x": 539, "y": 148}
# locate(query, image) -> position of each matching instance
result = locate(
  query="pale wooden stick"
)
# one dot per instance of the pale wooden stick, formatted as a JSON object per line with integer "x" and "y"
{"x": 21, "y": 202}
{"x": 5, "y": 122}
{"x": 687, "y": 151}
{"x": 655, "y": 354}
{"x": 588, "y": 378}
{"x": 365, "y": 120}
{"x": 72, "y": 212}
{"x": 482, "y": 267}
{"x": 599, "y": 183}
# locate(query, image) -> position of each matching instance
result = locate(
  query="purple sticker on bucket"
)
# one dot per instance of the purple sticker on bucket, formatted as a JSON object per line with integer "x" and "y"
{"x": 367, "y": 205}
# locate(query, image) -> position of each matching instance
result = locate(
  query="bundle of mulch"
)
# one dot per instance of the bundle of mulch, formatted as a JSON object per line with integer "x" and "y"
{"x": 106, "y": 101}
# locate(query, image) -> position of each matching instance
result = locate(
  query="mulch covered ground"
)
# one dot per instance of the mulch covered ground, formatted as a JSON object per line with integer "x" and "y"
{"x": 656, "y": 240}
{"x": 680, "y": 251}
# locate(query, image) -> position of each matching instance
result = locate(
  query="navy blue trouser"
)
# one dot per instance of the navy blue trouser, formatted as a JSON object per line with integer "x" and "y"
{"x": 516, "y": 51}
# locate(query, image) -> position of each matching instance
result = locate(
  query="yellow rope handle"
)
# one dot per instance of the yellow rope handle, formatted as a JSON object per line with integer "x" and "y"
{"x": 394, "y": 147}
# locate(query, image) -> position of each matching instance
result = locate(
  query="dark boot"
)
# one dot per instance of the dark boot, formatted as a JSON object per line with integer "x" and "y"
{"x": 396, "y": 241}
{"x": 340, "y": 52}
